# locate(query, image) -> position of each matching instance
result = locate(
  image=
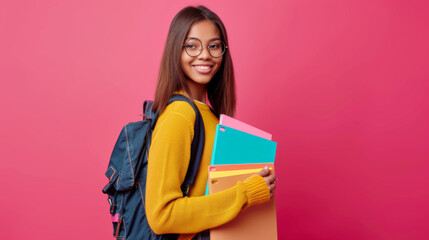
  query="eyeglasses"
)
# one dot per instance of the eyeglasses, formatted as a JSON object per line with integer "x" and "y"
{"x": 194, "y": 47}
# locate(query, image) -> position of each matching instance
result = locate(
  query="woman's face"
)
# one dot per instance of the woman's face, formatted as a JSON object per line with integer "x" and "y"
{"x": 202, "y": 68}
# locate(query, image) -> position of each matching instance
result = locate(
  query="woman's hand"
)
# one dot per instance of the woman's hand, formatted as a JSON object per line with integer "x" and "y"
{"x": 270, "y": 179}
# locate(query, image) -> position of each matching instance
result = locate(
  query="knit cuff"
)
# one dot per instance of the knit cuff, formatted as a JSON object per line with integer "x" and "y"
{"x": 257, "y": 191}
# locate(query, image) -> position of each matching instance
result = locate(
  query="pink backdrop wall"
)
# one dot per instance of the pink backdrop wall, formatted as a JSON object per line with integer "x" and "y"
{"x": 342, "y": 85}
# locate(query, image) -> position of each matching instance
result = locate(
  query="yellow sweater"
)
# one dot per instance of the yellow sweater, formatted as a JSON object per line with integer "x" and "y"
{"x": 166, "y": 209}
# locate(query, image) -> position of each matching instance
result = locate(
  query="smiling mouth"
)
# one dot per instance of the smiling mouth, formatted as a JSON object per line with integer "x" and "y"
{"x": 203, "y": 68}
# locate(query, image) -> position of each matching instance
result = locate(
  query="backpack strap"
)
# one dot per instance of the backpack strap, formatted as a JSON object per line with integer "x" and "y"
{"x": 198, "y": 142}
{"x": 147, "y": 110}
{"x": 197, "y": 147}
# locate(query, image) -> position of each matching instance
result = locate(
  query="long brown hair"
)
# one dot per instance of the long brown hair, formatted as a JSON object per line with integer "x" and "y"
{"x": 171, "y": 78}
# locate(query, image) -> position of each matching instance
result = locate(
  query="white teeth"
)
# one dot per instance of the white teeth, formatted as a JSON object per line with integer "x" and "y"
{"x": 202, "y": 67}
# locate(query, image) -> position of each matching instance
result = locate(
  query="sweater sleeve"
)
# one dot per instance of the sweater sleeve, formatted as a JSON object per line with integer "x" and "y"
{"x": 166, "y": 209}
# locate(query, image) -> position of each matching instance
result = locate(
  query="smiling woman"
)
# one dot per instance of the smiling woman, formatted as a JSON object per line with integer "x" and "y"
{"x": 197, "y": 64}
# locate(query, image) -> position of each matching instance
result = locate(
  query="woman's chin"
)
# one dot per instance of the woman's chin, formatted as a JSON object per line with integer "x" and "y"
{"x": 200, "y": 80}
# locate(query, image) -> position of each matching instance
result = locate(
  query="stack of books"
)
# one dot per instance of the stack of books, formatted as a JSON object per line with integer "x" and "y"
{"x": 239, "y": 151}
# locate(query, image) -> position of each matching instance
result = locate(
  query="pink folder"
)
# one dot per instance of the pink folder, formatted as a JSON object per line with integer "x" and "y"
{"x": 238, "y": 125}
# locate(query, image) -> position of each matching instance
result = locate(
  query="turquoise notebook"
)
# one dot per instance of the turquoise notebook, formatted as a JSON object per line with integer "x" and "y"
{"x": 232, "y": 146}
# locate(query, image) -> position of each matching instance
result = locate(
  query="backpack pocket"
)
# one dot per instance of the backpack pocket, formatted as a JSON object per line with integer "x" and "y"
{"x": 127, "y": 154}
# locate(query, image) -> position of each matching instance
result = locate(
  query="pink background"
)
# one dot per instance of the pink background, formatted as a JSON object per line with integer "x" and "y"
{"x": 342, "y": 85}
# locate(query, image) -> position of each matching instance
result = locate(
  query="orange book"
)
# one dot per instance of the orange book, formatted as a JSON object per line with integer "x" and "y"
{"x": 256, "y": 222}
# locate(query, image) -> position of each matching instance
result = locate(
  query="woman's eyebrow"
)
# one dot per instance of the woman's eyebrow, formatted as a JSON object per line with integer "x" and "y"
{"x": 212, "y": 39}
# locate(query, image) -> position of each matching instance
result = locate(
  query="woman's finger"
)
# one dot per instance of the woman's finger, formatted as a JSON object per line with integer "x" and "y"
{"x": 264, "y": 172}
{"x": 272, "y": 187}
{"x": 271, "y": 178}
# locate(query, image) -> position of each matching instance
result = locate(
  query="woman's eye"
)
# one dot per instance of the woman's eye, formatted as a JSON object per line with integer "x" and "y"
{"x": 215, "y": 46}
{"x": 190, "y": 46}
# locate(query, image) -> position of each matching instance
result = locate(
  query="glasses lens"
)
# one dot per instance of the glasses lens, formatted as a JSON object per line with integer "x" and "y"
{"x": 216, "y": 48}
{"x": 193, "y": 47}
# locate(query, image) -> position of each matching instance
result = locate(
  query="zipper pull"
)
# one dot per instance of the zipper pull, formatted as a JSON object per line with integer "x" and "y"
{"x": 118, "y": 227}
{"x": 112, "y": 205}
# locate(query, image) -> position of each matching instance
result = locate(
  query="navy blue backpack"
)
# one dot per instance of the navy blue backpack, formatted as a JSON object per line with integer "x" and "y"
{"x": 127, "y": 171}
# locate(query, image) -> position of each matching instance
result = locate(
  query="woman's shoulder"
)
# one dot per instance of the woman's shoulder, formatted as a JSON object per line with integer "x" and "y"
{"x": 178, "y": 111}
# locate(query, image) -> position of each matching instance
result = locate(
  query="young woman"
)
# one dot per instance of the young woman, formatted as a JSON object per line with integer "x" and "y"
{"x": 197, "y": 64}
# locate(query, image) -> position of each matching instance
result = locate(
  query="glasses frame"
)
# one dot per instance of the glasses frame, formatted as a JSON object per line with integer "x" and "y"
{"x": 207, "y": 46}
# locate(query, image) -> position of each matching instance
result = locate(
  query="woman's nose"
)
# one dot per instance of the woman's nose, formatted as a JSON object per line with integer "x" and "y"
{"x": 205, "y": 54}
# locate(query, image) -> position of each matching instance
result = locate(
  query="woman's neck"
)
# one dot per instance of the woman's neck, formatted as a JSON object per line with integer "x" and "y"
{"x": 198, "y": 91}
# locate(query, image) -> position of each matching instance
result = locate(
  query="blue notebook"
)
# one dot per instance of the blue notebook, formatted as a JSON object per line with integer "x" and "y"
{"x": 232, "y": 146}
